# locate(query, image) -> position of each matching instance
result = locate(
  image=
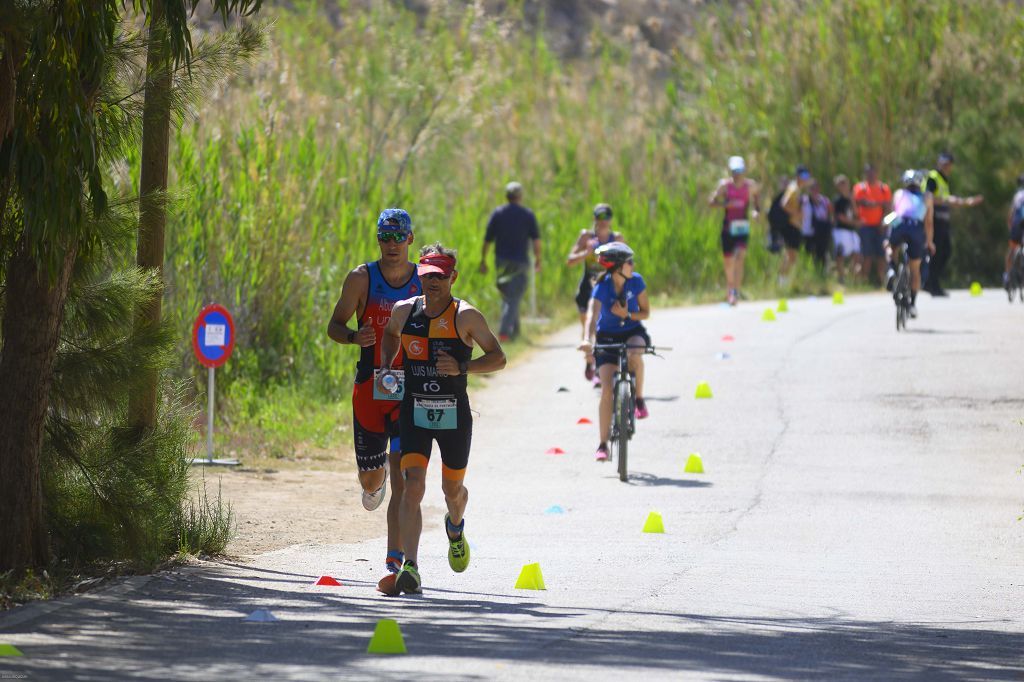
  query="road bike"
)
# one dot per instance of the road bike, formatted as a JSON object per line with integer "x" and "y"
{"x": 901, "y": 293}
{"x": 624, "y": 402}
{"x": 1015, "y": 278}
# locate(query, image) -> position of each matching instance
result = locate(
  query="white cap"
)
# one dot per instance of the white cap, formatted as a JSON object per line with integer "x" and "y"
{"x": 736, "y": 164}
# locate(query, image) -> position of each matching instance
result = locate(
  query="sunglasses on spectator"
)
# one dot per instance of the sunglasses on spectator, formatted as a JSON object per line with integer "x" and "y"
{"x": 388, "y": 236}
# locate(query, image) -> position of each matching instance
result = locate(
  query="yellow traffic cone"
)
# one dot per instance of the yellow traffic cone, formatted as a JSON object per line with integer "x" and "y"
{"x": 530, "y": 578}
{"x": 703, "y": 390}
{"x": 783, "y": 306}
{"x": 694, "y": 464}
{"x": 654, "y": 524}
{"x": 768, "y": 315}
{"x": 837, "y": 298}
{"x": 387, "y": 638}
{"x": 975, "y": 288}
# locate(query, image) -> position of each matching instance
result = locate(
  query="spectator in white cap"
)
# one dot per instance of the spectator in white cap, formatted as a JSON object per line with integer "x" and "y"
{"x": 736, "y": 194}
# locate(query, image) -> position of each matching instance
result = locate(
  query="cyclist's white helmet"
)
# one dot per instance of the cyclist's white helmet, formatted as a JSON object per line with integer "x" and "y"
{"x": 913, "y": 177}
{"x": 613, "y": 254}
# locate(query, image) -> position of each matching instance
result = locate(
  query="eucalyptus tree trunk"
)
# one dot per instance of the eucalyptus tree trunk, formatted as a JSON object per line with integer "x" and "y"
{"x": 32, "y": 318}
{"x": 156, "y": 127}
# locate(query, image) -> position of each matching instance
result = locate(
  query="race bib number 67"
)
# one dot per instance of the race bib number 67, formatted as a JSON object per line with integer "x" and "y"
{"x": 435, "y": 414}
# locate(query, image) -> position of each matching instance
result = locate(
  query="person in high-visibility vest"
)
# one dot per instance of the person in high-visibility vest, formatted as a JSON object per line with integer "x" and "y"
{"x": 943, "y": 201}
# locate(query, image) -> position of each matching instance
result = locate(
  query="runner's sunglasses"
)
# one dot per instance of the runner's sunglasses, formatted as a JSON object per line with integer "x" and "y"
{"x": 389, "y": 236}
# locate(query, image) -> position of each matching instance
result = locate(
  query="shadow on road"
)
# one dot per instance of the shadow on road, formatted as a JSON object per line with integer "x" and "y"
{"x": 643, "y": 479}
{"x": 191, "y": 627}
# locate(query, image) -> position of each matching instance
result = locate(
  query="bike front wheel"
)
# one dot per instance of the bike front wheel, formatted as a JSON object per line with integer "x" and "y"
{"x": 623, "y": 403}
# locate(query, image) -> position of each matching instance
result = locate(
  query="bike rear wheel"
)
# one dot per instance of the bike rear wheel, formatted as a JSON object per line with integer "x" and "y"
{"x": 623, "y": 403}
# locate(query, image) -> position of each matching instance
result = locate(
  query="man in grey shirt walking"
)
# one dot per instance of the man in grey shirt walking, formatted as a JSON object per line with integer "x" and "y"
{"x": 512, "y": 229}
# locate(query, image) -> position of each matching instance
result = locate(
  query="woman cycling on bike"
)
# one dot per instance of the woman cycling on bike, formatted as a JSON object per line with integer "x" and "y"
{"x": 617, "y": 305}
{"x": 911, "y": 222}
{"x": 583, "y": 252}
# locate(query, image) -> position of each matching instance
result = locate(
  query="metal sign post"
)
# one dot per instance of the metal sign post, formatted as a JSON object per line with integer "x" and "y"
{"x": 213, "y": 340}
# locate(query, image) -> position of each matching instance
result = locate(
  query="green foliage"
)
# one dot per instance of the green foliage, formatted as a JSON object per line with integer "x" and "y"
{"x": 838, "y": 83}
{"x": 205, "y": 526}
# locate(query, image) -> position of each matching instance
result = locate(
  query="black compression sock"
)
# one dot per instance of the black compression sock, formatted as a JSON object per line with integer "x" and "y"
{"x": 913, "y": 298}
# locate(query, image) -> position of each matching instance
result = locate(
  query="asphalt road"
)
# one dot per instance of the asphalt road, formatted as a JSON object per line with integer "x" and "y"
{"x": 858, "y": 520}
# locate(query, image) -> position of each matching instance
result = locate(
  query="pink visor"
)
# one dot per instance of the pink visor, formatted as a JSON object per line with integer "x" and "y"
{"x": 436, "y": 263}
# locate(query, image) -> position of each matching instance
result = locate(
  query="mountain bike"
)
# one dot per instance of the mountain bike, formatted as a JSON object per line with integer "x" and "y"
{"x": 901, "y": 293}
{"x": 1015, "y": 282}
{"x": 624, "y": 402}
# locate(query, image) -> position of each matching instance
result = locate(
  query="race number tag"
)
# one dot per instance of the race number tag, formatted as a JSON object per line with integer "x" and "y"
{"x": 739, "y": 228}
{"x": 438, "y": 414}
{"x": 383, "y": 395}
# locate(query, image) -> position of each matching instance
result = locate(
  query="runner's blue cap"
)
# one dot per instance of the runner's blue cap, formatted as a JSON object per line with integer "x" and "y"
{"x": 394, "y": 219}
{"x": 802, "y": 172}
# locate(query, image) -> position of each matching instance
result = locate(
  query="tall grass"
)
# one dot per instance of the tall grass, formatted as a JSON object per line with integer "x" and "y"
{"x": 288, "y": 168}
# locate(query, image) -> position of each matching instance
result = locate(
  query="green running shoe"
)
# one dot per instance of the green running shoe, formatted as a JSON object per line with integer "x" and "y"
{"x": 408, "y": 580}
{"x": 458, "y": 551}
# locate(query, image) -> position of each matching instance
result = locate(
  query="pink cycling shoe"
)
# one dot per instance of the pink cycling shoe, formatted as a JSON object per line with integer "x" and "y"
{"x": 602, "y": 453}
{"x": 641, "y": 409}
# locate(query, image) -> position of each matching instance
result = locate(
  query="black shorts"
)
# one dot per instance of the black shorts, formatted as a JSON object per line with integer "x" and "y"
{"x": 731, "y": 242}
{"x": 454, "y": 444}
{"x": 911, "y": 233}
{"x": 583, "y": 292}
{"x": 791, "y": 236}
{"x": 605, "y": 357}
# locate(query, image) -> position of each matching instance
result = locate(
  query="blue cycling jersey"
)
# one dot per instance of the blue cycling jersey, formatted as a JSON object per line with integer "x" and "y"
{"x": 604, "y": 291}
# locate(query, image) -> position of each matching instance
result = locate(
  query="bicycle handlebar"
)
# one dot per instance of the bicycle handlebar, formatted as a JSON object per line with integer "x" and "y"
{"x": 622, "y": 346}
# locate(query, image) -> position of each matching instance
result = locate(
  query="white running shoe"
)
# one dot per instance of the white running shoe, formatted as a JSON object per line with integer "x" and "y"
{"x": 913, "y": 312}
{"x": 373, "y": 500}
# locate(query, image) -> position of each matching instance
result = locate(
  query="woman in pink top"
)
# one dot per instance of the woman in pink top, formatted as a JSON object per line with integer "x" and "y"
{"x": 736, "y": 194}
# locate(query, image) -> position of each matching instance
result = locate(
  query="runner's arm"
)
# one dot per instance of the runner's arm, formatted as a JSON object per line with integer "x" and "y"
{"x": 1009, "y": 217}
{"x": 392, "y": 341}
{"x": 755, "y": 199}
{"x": 353, "y": 294}
{"x": 579, "y": 250}
{"x": 479, "y": 333}
{"x": 536, "y": 254}
{"x": 716, "y": 198}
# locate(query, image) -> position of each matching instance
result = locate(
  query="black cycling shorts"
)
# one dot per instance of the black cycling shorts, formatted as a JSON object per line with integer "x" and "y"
{"x": 417, "y": 442}
{"x": 605, "y": 357}
{"x": 1017, "y": 232}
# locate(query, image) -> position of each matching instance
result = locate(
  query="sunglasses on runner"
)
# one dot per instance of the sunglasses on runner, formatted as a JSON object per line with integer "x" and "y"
{"x": 388, "y": 236}
{"x": 434, "y": 275}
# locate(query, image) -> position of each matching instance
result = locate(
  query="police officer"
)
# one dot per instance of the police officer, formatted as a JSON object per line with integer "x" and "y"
{"x": 943, "y": 202}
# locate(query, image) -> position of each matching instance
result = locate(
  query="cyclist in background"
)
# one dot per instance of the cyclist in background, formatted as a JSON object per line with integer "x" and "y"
{"x": 1015, "y": 222}
{"x": 582, "y": 251}
{"x": 736, "y": 194}
{"x": 617, "y": 306}
{"x": 912, "y": 224}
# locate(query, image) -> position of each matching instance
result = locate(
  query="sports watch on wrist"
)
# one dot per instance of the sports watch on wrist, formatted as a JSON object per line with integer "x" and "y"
{"x": 463, "y": 367}
{"x": 351, "y": 336}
